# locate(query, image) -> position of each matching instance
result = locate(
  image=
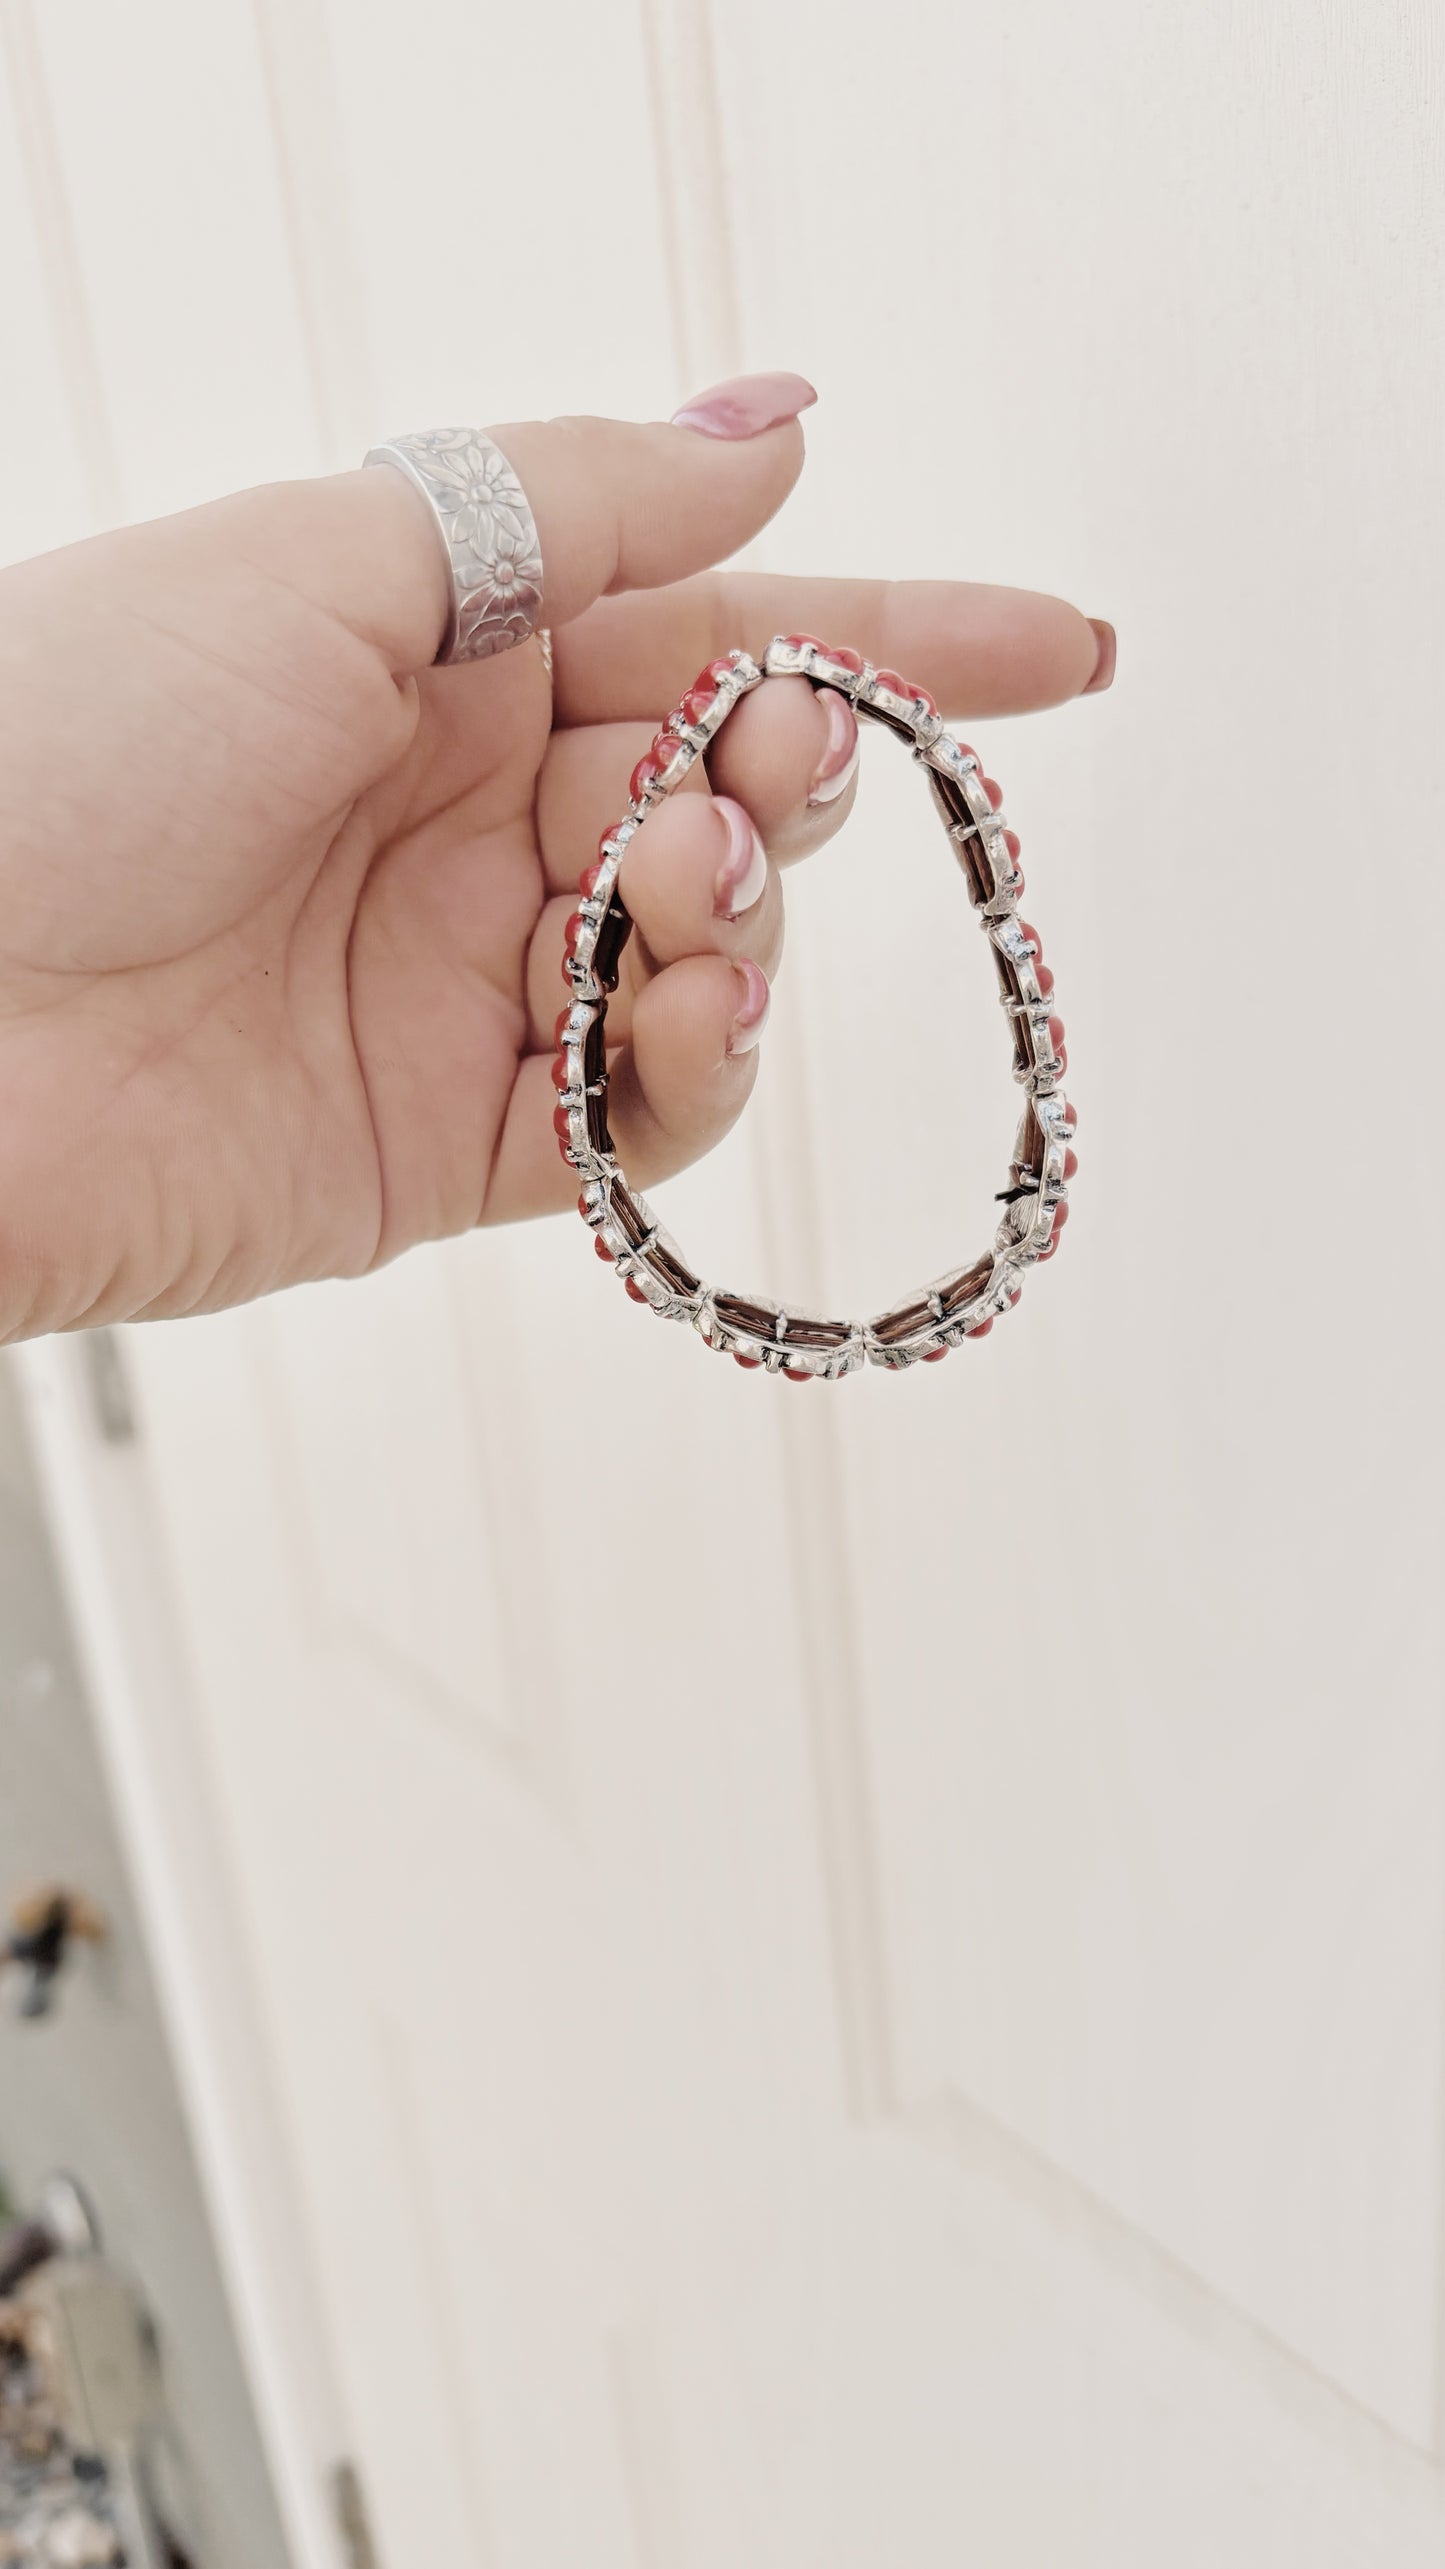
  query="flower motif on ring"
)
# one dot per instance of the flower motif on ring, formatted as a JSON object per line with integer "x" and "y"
{"x": 511, "y": 565}
{"x": 474, "y": 487}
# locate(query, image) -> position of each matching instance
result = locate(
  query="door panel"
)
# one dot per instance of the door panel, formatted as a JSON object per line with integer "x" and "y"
{"x": 1156, "y": 1765}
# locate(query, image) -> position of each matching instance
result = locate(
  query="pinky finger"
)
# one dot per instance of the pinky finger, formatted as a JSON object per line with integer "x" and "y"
{"x": 675, "y": 1089}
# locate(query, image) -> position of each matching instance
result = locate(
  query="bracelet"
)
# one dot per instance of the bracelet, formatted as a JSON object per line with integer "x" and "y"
{"x": 757, "y": 1333}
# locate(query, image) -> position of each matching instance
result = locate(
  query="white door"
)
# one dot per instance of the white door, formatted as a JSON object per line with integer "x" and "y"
{"x": 910, "y": 2032}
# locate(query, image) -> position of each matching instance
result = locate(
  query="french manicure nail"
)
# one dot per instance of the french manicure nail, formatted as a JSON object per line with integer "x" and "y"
{"x": 1108, "y": 653}
{"x": 834, "y": 771}
{"x": 746, "y": 405}
{"x": 743, "y": 874}
{"x": 747, "y": 1026}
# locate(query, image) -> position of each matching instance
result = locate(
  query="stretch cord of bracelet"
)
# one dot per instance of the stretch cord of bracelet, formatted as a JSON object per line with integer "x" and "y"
{"x": 757, "y": 1333}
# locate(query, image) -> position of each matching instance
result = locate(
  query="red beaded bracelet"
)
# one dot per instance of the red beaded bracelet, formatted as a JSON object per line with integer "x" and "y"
{"x": 754, "y": 1331}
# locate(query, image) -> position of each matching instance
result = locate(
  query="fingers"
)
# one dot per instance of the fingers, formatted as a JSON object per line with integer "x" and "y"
{"x": 675, "y": 1089}
{"x": 978, "y": 650}
{"x": 703, "y": 886}
{"x": 696, "y": 881}
{"x": 582, "y": 790}
{"x": 695, "y": 878}
{"x": 788, "y": 753}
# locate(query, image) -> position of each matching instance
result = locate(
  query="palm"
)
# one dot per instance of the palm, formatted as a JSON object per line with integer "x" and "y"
{"x": 289, "y": 1025}
{"x": 452, "y": 902}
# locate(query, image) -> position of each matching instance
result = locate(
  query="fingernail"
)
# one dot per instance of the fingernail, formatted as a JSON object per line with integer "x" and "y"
{"x": 746, "y": 405}
{"x": 747, "y": 1026}
{"x": 1108, "y": 653}
{"x": 834, "y": 771}
{"x": 743, "y": 874}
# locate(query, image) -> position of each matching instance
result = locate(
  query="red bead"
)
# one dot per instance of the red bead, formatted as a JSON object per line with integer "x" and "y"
{"x": 1056, "y": 1033}
{"x": 1071, "y": 1164}
{"x": 852, "y": 661}
{"x": 1061, "y": 1061}
{"x": 1014, "y": 844}
{"x": 571, "y": 933}
{"x": 796, "y": 1374}
{"x": 1035, "y": 940}
{"x": 1045, "y": 1254}
{"x": 665, "y": 747}
{"x": 1061, "y": 1215}
{"x": 966, "y": 752}
{"x": 980, "y": 1330}
{"x": 588, "y": 884}
{"x": 561, "y": 1071}
{"x": 700, "y": 697}
{"x": 804, "y": 642}
{"x": 1071, "y": 1116}
{"x": 645, "y": 773}
{"x": 1044, "y": 976}
{"x": 749, "y": 1364}
{"x": 600, "y": 1245}
{"x": 903, "y": 687}
{"x": 935, "y": 1355}
{"x": 583, "y": 1207}
{"x": 993, "y": 789}
{"x": 634, "y": 1289}
{"x": 560, "y": 1125}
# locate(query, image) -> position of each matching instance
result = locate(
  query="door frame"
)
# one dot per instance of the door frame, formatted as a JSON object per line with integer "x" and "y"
{"x": 91, "y": 1461}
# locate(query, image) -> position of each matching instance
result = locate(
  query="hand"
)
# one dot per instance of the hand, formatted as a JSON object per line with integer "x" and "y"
{"x": 282, "y": 907}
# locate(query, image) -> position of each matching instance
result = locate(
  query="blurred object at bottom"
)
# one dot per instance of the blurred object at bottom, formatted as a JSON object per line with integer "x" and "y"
{"x": 81, "y": 2401}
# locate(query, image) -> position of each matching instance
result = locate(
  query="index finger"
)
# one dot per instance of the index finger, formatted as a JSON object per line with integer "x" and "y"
{"x": 977, "y": 649}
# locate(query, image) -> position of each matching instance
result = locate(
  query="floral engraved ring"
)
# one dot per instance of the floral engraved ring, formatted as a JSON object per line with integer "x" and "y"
{"x": 482, "y": 515}
{"x": 757, "y": 1333}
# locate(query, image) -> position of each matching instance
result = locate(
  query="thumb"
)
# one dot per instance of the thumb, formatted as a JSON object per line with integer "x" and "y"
{"x": 624, "y": 507}
{"x": 617, "y": 506}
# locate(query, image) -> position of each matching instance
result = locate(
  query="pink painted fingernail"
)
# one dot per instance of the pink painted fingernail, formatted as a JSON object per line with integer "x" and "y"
{"x": 746, "y": 405}
{"x": 743, "y": 874}
{"x": 1108, "y": 653}
{"x": 747, "y": 1026}
{"x": 834, "y": 771}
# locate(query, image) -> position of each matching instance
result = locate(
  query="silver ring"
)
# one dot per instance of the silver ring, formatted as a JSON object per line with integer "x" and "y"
{"x": 489, "y": 532}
